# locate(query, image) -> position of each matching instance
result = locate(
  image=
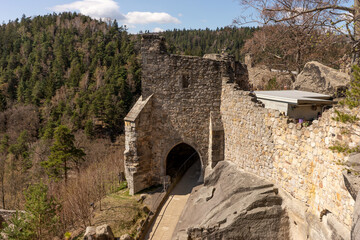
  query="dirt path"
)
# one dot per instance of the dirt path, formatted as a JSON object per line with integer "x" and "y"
{"x": 165, "y": 223}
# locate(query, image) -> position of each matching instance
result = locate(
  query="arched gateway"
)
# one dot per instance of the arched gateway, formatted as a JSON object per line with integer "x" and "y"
{"x": 179, "y": 159}
{"x": 180, "y": 103}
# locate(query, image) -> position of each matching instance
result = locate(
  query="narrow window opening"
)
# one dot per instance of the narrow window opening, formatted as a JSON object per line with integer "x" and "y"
{"x": 185, "y": 81}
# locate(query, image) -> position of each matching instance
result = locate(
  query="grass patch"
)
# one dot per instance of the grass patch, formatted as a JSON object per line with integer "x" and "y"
{"x": 121, "y": 211}
{"x": 344, "y": 148}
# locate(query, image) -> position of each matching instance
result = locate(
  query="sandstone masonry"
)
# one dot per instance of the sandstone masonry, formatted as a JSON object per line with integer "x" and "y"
{"x": 297, "y": 158}
{"x": 178, "y": 95}
{"x": 204, "y": 102}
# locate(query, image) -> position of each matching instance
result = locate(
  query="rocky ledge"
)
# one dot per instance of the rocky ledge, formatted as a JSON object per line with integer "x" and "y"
{"x": 233, "y": 205}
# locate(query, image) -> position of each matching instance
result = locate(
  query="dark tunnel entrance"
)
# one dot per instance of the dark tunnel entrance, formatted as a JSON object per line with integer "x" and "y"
{"x": 180, "y": 159}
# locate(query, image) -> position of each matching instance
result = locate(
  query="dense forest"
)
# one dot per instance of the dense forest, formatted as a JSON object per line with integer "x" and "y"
{"x": 72, "y": 67}
{"x": 202, "y": 41}
{"x": 66, "y": 83}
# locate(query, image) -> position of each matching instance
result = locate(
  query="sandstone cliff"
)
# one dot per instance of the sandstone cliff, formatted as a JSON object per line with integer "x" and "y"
{"x": 233, "y": 205}
{"x": 317, "y": 77}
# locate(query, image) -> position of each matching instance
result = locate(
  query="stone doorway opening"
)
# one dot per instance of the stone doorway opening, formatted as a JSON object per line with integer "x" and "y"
{"x": 180, "y": 159}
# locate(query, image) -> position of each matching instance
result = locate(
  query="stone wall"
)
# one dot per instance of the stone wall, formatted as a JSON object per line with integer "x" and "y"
{"x": 202, "y": 102}
{"x": 184, "y": 91}
{"x": 296, "y": 158}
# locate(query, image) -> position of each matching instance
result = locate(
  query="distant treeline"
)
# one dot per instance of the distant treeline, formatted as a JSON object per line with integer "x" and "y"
{"x": 200, "y": 42}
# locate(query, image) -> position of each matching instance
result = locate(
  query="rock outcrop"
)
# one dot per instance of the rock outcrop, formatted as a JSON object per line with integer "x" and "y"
{"x": 317, "y": 77}
{"x": 261, "y": 77}
{"x": 352, "y": 183}
{"x": 102, "y": 232}
{"x": 248, "y": 208}
{"x": 90, "y": 233}
{"x": 355, "y": 231}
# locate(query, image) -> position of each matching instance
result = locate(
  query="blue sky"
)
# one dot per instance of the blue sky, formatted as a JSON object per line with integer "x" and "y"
{"x": 138, "y": 15}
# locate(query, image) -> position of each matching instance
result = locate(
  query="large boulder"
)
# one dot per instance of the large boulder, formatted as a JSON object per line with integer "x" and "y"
{"x": 233, "y": 205}
{"x": 319, "y": 78}
{"x": 264, "y": 78}
{"x": 355, "y": 231}
{"x": 126, "y": 237}
{"x": 102, "y": 232}
{"x": 90, "y": 233}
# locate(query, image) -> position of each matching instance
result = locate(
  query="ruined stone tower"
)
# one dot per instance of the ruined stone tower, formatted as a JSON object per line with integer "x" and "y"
{"x": 198, "y": 105}
{"x": 180, "y": 104}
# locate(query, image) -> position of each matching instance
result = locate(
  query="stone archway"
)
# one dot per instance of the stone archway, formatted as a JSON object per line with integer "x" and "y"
{"x": 180, "y": 158}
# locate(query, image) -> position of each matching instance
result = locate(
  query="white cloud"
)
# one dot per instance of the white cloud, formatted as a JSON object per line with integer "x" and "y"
{"x": 93, "y": 8}
{"x": 150, "y": 17}
{"x": 180, "y": 15}
{"x": 110, "y": 9}
{"x": 157, "y": 29}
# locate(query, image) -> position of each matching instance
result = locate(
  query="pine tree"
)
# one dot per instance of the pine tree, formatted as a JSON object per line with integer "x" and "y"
{"x": 39, "y": 221}
{"x": 18, "y": 228}
{"x": 352, "y": 96}
{"x": 2, "y": 102}
{"x": 21, "y": 150}
{"x": 64, "y": 155}
{"x": 41, "y": 210}
{"x": 4, "y": 145}
{"x": 89, "y": 129}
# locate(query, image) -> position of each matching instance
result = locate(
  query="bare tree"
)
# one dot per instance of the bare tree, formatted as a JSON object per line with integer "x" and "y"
{"x": 335, "y": 15}
{"x": 2, "y": 176}
{"x": 295, "y": 47}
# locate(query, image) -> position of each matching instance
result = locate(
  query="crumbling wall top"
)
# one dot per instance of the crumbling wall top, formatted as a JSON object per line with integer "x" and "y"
{"x": 153, "y": 43}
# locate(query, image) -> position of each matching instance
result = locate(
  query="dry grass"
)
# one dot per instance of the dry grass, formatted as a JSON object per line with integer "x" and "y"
{"x": 121, "y": 211}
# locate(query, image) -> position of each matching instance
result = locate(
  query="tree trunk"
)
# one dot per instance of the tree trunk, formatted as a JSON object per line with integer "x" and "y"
{"x": 356, "y": 47}
{"x": 3, "y": 192}
{"x": 65, "y": 172}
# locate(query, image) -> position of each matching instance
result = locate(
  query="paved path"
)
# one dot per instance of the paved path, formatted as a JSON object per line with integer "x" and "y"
{"x": 165, "y": 223}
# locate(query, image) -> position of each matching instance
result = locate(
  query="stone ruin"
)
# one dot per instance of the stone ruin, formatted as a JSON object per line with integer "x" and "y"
{"x": 203, "y": 107}
{"x": 181, "y": 95}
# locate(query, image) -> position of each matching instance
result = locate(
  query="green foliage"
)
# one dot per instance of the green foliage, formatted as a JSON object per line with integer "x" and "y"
{"x": 4, "y": 144}
{"x": 344, "y": 148}
{"x": 18, "y": 228}
{"x": 49, "y": 130}
{"x": 272, "y": 84}
{"x": 67, "y": 235}
{"x": 199, "y": 42}
{"x": 39, "y": 220}
{"x": 41, "y": 210}
{"x": 352, "y": 99}
{"x": 122, "y": 186}
{"x": 21, "y": 150}
{"x": 63, "y": 155}
{"x": 344, "y": 117}
{"x": 3, "y": 102}
{"x": 62, "y": 63}
{"x": 89, "y": 128}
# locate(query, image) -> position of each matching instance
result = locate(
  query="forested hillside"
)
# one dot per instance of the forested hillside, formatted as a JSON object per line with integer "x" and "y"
{"x": 72, "y": 67}
{"x": 66, "y": 83}
{"x": 199, "y": 42}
